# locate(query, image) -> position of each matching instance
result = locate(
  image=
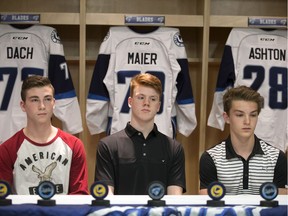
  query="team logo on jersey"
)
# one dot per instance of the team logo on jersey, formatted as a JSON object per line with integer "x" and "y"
{"x": 178, "y": 39}
{"x": 46, "y": 175}
{"x": 156, "y": 190}
{"x": 216, "y": 190}
{"x": 268, "y": 191}
{"x": 99, "y": 190}
{"x": 55, "y": 37}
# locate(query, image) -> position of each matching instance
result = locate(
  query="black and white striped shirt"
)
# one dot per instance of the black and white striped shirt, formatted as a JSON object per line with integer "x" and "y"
{"x": 239, "y": 176}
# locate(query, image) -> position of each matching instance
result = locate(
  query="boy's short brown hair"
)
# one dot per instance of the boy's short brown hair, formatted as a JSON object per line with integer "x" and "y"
{"x": 242, "y": 93}
{"x": 34, "y": 81}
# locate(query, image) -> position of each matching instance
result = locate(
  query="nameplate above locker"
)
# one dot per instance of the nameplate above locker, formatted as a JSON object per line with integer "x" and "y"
{"x": 20, "y": 18}
{"x": 264, "y": 22}
{"x": 144, "y": 20}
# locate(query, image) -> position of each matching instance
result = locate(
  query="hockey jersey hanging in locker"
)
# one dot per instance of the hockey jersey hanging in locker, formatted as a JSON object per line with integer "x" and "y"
{"x": 126, "y": 52}
{"x": 256, "y": 58}
{"x": 27, "y": 50}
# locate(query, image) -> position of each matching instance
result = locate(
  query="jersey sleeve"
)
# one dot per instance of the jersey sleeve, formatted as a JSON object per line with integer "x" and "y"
{"x": 66, "y": 100}
{"x": 98, "y": 99}
{"x": 225, "y": 80}
{"x": 185, "y": 104}
{"x": 207, "y": 169}
{"x": 185, "y": 108}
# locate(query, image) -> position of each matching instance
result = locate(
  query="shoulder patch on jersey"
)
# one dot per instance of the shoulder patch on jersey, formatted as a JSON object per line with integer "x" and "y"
{"x": 107, "y": 36}
{"x": 55, "y": 37}
{"x": 178, "y": 39}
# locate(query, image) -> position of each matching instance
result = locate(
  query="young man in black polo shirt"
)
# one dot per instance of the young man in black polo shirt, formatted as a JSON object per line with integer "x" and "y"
{"x": 129, "y": 160}
{"x": 243, "y": 161}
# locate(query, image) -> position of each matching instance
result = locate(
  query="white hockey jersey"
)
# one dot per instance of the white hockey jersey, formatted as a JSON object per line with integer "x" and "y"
{"x": 34, "y": 49}
{"x": 125, "y": 53}
{"x": 256, "y": 58}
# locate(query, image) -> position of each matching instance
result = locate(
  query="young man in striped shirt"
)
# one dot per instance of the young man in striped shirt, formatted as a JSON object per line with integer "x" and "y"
{"x": 243, "y": 161}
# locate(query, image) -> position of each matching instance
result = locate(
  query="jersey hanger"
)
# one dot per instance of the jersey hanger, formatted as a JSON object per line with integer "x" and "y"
{"x": 143, "y": 29}
{"x": 21, "y": 26}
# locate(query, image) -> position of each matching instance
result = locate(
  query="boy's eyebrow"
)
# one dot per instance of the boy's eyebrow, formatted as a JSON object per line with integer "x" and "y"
{"x": 243, "y": 111}
{"x": 146, "y": 95}
{"x": 46, "y": 96}
{"x": 33, "y": 96}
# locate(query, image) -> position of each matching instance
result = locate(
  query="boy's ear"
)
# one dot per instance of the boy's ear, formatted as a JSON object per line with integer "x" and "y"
{"x": 226, "y": 118}
{"x": 129, "y": 102}
{"x": 22, "y": 105}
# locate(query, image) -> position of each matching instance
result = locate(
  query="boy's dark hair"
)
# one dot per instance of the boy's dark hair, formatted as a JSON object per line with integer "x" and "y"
{"x": 34, "y": 81}
{"x": 242, "y": 93}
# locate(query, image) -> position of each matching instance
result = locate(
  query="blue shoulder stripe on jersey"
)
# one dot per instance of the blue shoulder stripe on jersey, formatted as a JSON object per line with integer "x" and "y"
{"x": 220, "y": 89}
{"x": 69, "y": 94}
{"x": 186, "y": 101}
{"x": 97, "y": 97}
{"x": 223, "y": 89}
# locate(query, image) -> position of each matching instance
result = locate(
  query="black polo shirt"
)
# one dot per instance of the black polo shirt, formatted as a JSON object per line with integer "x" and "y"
{"x": 129, "y": 162}
{"x": 265, "y": 164}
